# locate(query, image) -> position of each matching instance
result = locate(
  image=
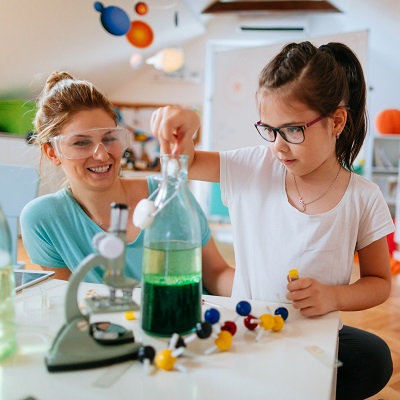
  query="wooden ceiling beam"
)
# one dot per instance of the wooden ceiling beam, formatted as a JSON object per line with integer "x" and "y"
{"x": 285, "y": 5}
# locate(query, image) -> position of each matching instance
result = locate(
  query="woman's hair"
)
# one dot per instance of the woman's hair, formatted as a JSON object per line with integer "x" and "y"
{"x": 62, "y": 97}
{"x": 323, "y": 78}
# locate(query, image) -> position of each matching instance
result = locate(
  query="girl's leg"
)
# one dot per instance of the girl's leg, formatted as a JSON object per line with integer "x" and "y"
{"x": 367, "y": 364}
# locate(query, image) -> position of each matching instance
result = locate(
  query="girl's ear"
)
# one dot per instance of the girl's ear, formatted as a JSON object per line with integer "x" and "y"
{"x": 339, "y": 121}
{"x": 51, "y": 154}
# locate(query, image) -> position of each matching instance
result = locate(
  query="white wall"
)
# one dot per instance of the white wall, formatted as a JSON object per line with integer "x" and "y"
{"x": 380, "y": 17}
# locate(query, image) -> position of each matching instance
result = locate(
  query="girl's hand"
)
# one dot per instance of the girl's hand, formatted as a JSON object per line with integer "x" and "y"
{"x": 311, "y": 297}
{"x": 175, "y": 127}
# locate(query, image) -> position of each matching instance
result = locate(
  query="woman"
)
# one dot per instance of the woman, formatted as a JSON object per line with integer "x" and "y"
{"x": 77, "y": 131}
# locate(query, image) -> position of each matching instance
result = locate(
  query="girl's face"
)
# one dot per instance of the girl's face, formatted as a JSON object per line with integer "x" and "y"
{"x": 318, "y": 147}
{"x": 97, "y": 169}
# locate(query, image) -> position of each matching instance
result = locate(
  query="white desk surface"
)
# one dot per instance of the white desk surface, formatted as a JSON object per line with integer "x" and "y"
{"x": 276, "y": 367}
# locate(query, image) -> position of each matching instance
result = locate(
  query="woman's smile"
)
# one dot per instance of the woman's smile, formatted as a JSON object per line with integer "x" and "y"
{"x": 100, "y": 169}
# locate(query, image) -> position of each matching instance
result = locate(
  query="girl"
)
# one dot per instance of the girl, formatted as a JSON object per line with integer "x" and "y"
{"x": 296, "y": 203}
{"x": 77, "y": 131}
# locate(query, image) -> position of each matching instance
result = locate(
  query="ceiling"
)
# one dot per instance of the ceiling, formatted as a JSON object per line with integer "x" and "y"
{"x": 41, "y": 36}
{"x": 226, "y": 6}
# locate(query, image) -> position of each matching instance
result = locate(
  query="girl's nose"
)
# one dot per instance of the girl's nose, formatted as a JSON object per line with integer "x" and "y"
{"x": 100, "y": 152}
{"x": 280, "y": 143}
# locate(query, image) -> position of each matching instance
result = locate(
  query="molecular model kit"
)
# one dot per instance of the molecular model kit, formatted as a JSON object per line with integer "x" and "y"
{"x": 222, "y": 332}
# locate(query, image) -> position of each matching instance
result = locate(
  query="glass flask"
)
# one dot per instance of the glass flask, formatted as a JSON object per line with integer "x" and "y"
{"x": 8, "y": 342}
{"x": 171, "y": 273}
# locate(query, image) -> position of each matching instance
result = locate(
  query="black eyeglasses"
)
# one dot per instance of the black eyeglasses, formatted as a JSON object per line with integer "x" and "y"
{"x": 292, "y": 134}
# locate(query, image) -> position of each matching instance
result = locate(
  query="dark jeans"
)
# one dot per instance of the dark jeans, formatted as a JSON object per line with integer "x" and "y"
{"x": 367, "y": 364}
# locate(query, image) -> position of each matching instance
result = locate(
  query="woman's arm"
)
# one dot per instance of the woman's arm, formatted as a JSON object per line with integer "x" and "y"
{"x": 175, "y": 128}
{"x": 60, "y": 273}
{"x": 217, "y": 273}
{"x": 372, "y": 289}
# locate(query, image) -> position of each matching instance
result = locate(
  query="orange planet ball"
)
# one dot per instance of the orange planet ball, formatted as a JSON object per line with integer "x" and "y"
{"x": 140, "y": 35}
{"x": 141, "y": 8}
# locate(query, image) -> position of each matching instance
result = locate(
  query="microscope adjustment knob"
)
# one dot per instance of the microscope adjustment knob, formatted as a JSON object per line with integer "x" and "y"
{"x": 111, "y": 247}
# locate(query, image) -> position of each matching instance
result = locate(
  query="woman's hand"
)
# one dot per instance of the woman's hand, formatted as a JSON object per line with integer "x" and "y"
{"x": 174, "y": 127}
{"x": 311, "y": 297}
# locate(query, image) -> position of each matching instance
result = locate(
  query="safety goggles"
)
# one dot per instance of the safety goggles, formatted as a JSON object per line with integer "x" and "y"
{"x": 84, "y": 144}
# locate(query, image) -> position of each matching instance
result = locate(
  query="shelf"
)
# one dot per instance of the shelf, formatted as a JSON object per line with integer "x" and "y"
{"x": 12, "y": 135}
{"x": 382, "y": 166}
{"x": 384, "y": 170}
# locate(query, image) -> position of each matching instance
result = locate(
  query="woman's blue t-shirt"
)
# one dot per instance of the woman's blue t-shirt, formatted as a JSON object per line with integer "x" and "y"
{"x": 56, "y": 233}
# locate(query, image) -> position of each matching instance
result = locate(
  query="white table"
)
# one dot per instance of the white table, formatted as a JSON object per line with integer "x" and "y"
{"x": 276, "y": 367}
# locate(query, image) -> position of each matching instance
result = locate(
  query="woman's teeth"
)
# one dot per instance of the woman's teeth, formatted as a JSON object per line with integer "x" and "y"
{"x": 100, "y": 169}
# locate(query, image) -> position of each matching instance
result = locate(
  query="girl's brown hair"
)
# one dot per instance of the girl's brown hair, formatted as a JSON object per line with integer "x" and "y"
{"x": 324, "y": 78}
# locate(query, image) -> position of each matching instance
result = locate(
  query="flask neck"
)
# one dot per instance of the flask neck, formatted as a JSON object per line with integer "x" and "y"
{"x": 174, "y": 168}
{"x": 174, "y": 178}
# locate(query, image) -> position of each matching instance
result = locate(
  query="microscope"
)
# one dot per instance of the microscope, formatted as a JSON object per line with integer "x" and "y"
{"x": 80, "y": 344}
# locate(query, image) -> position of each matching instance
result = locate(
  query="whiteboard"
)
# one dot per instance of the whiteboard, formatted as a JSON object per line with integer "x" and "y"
{"x": 231, "y": 84}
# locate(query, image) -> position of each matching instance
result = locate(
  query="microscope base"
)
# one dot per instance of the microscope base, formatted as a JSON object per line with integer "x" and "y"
{"x": 75, "y": 348}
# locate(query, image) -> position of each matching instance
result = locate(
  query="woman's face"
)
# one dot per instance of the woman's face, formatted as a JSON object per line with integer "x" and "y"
{"x": 318, "y": 147}
{"x": 97, "y": 168}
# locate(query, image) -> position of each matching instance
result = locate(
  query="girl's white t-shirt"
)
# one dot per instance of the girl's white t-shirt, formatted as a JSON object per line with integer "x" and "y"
{"x": 271, "y": 236}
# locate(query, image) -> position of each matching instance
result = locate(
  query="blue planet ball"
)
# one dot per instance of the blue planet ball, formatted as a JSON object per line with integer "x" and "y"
{"x": 114, "y": 19}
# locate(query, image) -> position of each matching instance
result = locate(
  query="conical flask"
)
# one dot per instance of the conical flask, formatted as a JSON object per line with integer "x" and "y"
{"x": 171, "y": 274}
{"x": 8, "y": 342}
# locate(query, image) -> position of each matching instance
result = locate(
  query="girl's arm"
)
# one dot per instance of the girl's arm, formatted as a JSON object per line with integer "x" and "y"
{"x": 175, "y": 128}
{"x": 217, "y": 274}
{"x": 372, "y": 289}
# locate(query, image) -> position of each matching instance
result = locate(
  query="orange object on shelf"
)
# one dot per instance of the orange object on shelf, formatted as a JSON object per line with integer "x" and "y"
{"x": 388, "y": 121}
{"x": 394, "y": 266}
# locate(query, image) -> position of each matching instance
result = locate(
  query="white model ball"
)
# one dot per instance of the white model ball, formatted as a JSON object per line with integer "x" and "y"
{"x": 142, "y": 216}
{"x": 172, "y": 167}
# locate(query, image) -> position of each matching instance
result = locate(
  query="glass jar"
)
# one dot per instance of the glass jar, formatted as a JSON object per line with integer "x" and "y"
{"x": 8, "y": 342}
{"x": 171, "y": 274}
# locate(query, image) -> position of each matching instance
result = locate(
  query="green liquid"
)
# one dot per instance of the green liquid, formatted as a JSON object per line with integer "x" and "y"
{"x": 171, "y": 290}
{"x": 8, "y": 342}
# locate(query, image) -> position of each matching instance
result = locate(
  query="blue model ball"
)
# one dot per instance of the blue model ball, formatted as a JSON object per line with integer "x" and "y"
{"x": 283, "y": 312}
{"x": 212, "y": 316}
{"x": 114, "y": 19}
{"x": 243, "y": 308}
